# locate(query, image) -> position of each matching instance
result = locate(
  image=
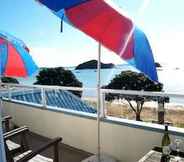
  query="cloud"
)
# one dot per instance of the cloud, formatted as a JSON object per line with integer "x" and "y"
{"x": 53, "y": 57}
{"x": 168, "y": 47}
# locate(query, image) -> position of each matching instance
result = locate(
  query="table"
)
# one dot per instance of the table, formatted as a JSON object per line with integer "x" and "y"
{"x": 155, "y": 156}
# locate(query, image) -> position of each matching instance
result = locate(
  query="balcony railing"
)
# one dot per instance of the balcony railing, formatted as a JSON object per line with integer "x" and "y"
{"x": 162, "y": 102}
{"x": 118, "y": 136}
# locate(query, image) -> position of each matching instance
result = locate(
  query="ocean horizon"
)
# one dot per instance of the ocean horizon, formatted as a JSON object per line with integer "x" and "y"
{"x": 169, "y": 77}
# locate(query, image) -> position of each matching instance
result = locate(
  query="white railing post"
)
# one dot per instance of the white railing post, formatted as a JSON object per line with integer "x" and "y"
{"x": 24, "y": 93}
{"x": 9, "y": 92}
{"x": 43, "y": 97}
{"x": 103, "y": 107}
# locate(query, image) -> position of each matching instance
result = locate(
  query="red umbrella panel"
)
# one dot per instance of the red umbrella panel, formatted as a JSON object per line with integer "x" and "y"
{"x": 15, "y": 59}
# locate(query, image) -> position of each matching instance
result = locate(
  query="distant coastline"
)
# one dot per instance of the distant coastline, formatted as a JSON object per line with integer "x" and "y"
{"x": 92, "y": 64}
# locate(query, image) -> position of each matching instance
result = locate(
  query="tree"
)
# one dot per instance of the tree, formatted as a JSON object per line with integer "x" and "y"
{"x": 9, "y": 80}
{"x": 58, "y": 76}
{"x": 129, "y": 80}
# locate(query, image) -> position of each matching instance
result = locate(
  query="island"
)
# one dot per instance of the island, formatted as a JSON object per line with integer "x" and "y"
{"x": 92, "y": 64}
{"x": 158, "y": 65}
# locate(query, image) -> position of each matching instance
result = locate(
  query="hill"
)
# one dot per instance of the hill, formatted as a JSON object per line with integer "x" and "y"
{"x": 92, "y": 64}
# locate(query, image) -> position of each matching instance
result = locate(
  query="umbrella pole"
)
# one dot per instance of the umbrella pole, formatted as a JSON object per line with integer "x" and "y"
{"x": 98, "y": 98}
{"x": 99, "y": 157}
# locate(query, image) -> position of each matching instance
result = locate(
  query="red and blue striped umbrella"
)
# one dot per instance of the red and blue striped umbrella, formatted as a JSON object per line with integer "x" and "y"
{"x": 15, "y": 60}
{"x": 102, "y": 21}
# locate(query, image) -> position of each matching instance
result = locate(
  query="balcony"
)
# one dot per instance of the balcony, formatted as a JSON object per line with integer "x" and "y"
{"x": 124, "y": 139}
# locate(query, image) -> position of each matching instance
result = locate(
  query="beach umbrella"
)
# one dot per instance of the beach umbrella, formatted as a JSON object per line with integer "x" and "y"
{"x": 104, "y": 22}
{"x": 15, "y": 61}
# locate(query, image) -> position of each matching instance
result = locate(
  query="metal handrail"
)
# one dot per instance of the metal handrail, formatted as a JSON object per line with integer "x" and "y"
{"x": 125, "y": 92}
{"x": 160, "y": 97}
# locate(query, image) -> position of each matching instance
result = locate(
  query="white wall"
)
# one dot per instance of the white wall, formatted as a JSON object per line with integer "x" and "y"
{"x": 125, "y": 143}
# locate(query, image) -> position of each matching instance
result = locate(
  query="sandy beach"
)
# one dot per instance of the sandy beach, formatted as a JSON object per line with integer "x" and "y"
{"x": 173, "y": 112}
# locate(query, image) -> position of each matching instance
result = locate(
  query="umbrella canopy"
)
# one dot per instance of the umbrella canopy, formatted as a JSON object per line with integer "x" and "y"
{"x": 102, "y": 21}
{"x": 15, "y": 60}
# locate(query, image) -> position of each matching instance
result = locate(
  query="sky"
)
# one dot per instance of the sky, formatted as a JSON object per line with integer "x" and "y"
{"x": 161, "y": 20}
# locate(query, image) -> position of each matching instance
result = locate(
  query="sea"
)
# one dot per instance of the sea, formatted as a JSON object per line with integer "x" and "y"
{"x": 171, "y": 77}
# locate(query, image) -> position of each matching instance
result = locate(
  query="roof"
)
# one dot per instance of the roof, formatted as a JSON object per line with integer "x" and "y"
{"x": 56, "y": 98}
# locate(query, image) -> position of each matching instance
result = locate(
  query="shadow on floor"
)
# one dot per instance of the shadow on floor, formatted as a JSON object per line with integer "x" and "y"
{"x": 66, "y": 153}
